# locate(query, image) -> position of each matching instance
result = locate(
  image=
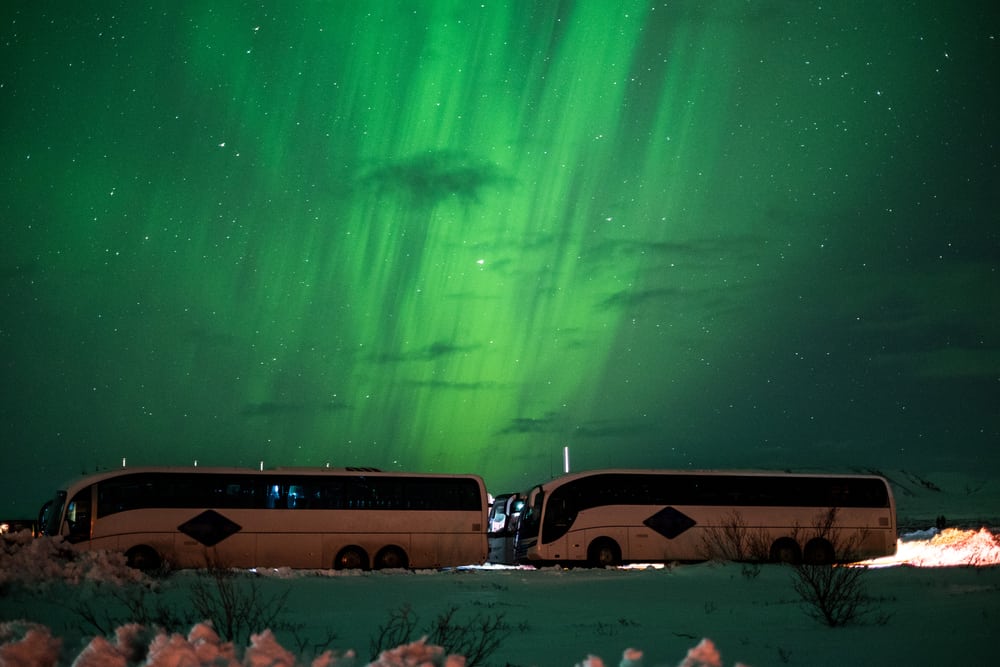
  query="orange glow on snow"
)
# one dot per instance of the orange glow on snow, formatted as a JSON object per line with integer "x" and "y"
{"x": 951, "y": 547}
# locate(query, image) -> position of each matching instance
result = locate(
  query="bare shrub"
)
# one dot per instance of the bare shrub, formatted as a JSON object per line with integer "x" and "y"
{"x": 136, "y": 603}
{"x": 230, "y": 600}
{"x": 396, "y": 631}
{"x": 835, "y": 594}
{"x": 476, "y": 638}
{"x": 233, "y": 602}
{"x": 733, "y": 540}
{"x": 845, "y": 547}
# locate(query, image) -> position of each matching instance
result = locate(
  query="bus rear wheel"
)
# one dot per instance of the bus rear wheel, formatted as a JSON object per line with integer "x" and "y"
{"x": 390, "y": 558}
{"x": 604, "y": 552}
{"x": 351, "y": 558}
{"x": 142, "y": 558}
{"x": 818, "y": 552}
{"x": 786, "y": 550}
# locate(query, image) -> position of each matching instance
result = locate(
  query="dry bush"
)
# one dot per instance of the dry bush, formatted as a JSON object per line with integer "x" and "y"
{"x": 835, "y": 594}
{"x": 477, "y": 638}
{"x": 230, "y": 600}
{"x": 733, "y": 540}
{"x": 233, "y": 602}
{"x": 113, "y": 605}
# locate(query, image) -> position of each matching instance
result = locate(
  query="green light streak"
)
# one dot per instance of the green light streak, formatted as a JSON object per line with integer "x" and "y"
{"x": 423, "y": 268}
{"x": 458, "y": 236}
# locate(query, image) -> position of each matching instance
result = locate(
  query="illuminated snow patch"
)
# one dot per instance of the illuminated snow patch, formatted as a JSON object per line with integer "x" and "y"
{"x": 951, "y": 547}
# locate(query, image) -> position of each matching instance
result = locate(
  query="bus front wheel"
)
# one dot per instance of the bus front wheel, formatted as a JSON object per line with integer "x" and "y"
{"x": 351, "y": 558}
{"x": 390, "y": 558}
{"x": 142, "y": 558}
{"x": 786, "y": 550}
{"x": 604, "y": 552}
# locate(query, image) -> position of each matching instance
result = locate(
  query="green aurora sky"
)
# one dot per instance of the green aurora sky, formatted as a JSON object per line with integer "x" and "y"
{"x": 458, "y": 236}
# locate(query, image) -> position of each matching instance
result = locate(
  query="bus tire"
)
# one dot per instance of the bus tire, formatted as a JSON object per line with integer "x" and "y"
{"x": 391, "y": 558}
{"x": 143, "y": 558}
{"x": 351, "y": 558}
{"x": 786, "y": 550}
{"x": 818, "y": 552}
{"x": 604, "y": 552}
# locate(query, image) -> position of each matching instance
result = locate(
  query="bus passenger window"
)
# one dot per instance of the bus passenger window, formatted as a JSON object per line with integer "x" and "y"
{"x": 273, "y": 496}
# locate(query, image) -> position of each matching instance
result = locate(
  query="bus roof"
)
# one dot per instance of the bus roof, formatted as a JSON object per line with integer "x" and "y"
{"x": 556, "y": 481}
{"x": 267, "y": 472}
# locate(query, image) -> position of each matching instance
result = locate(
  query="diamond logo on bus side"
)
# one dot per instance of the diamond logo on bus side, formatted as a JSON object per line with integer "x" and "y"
{"x": 670, "y": 522}
{"x": 209, "y": 528}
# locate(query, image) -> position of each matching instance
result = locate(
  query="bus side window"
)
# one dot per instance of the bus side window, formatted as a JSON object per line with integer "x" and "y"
{"x": 331, "y": 494}
{"x": 357, "y": 494}
{"x": 78, "y": 517}
{"x": 301, "y": 496}
{"x": 273, "y": 496}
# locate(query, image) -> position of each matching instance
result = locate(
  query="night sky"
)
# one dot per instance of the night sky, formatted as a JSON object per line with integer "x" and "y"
{"x": 458, "y": 236}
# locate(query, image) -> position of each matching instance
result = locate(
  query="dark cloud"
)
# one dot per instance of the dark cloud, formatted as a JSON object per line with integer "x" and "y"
{"x": 445, "y": 384}
{"x": 544, "y": 424}
{"x": 631, "y": 298}
{"x": 279, "y": 408}
{"x": 604, "y": 428}
{"x": 684, "y": 252}
{"x": 429, "y": 178}
{"x": 432, "y": 352}
{"x": 614, "y": 429}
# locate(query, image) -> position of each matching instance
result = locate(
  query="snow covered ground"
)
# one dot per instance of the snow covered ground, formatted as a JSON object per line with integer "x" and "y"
{"x": 936, "y": 602}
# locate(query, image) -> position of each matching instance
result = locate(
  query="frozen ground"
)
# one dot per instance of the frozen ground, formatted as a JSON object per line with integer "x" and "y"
{"x": 936, "y": 603}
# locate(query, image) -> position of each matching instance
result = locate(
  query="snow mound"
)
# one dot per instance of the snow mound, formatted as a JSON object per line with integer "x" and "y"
{"x": 36, "y": 561}
{"x": 32, "y": 645}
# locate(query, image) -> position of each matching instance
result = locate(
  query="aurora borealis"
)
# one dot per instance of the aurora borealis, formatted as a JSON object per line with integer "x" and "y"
{"x": 458, "y": 236}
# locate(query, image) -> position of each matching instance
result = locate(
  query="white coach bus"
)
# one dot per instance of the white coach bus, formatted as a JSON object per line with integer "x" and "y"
{"x": 609, "y": 517}
{"x": 300, "y": 518}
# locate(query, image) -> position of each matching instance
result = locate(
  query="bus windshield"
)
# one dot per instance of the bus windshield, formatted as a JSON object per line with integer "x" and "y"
{"x": 532, "y": 513}
{"x": 51, "y": 513}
